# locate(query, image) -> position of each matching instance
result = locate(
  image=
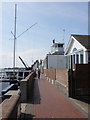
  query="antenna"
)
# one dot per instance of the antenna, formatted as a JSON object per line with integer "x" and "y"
{"x": 26, "y": 30}
{"x": 23, "y": 31}
{"x": 63, "y": 34}
{"x": 63, "y": 37}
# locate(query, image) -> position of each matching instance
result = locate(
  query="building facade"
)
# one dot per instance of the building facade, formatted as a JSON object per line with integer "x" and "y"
{"x": 57, "y": 48}
{"x": 56, "y": 58}
{"x": 54, "y": 61}
{"x": 77, "y": 51}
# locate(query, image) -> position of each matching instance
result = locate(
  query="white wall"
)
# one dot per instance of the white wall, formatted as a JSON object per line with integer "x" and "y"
{"x": 44, "y": 64}
{"x": 57, "y": 49}
{"x": 56, "y": 61}
{"x": 81, "y": 51}
{"x": 76, "y": 45}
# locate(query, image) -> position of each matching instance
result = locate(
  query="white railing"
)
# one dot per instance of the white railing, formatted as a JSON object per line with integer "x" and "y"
{"x": 17, "y": 74}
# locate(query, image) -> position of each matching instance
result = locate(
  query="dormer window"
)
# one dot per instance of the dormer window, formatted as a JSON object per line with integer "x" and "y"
{"x": 74, "y": 49}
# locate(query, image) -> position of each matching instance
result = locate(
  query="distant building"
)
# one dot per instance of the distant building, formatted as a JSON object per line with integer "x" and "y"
{"x": 56, "y": 58}
{"x": 57, "y": 48}
{"x": 77, "y": 50}
{"x": 54, "y": 61}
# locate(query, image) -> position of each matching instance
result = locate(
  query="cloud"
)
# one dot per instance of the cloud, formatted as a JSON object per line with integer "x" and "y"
{"x": 32, "y": 55}
{"x": 5, "y": 59}
{"x": 50, "y": 17}
{"x": 29, "y": 56}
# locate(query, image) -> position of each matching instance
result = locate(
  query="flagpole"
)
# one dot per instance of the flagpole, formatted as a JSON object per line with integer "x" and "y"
{"x": 14, "y": 36}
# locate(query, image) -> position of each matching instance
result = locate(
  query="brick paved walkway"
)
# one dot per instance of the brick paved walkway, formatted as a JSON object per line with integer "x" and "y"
{"x": 49, "y": 103}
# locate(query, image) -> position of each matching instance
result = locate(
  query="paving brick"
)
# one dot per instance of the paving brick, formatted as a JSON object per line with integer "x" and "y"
{"x": 52, "y": 104}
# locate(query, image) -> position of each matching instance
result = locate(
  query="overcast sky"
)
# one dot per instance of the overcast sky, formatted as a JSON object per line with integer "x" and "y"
{"x": 51, "y": 18}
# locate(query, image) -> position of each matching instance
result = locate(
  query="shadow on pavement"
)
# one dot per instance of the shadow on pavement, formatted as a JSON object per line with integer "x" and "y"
{"x": 27, "y": 116}
{"x": 85, "y": 99}
{"x": 35, "y": 97}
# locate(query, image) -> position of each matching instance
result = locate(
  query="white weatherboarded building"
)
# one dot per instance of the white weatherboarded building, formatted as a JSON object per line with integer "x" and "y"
{"x": 77, "y": 50}
{"x": 54, "y": 61}
{"x": 56, "y": 58}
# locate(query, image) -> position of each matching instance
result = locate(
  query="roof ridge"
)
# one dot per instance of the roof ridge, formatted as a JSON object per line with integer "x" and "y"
{"x": 78, "y": 35}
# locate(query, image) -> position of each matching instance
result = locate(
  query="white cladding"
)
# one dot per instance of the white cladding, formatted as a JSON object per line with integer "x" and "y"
{"x": 77, "y": 51}
{"x": 77, "y": 45}
{"x": 57, "y": 49}
{"x": 56, "y": 61}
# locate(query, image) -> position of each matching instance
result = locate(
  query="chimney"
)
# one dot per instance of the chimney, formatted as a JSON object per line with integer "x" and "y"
{"x": 54, "y": 41}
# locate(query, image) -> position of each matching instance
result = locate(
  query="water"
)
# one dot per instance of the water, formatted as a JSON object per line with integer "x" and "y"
{"x": 6, "y": 74}
{"x": 3, "y": 85}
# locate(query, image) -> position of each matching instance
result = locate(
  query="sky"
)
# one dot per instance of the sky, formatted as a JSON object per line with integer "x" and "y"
{"x": 51, "y": 18}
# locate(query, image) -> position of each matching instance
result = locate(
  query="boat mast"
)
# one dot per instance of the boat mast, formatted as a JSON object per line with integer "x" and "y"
{"x": 14, "y": 36}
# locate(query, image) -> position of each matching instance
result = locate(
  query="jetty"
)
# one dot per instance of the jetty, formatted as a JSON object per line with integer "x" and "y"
{"x": 41, "y": 99}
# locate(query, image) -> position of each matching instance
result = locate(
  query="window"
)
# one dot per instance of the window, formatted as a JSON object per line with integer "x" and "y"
{"x": 77, "y": 58}
{"x": 74, "y": 49}
{"x": 74, "y": 59}
{"x": 81, "y": 58}
{"x": 88, "y": 56}
{"x": 60, "y": 45}
{"x": 68, "y": 62}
